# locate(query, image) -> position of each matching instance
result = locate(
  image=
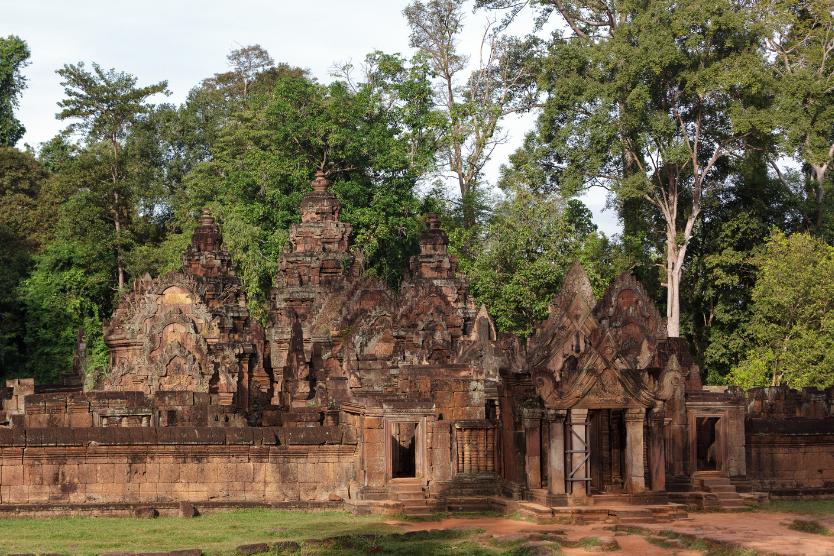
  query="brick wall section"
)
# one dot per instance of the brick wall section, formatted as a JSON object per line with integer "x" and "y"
{"x": 147, "y": 465}
{"x": 791, "y": 457}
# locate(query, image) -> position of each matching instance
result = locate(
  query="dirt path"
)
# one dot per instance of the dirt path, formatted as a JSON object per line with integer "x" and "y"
{"x": 765, "y": 532}
{"x": 501, "y": 527}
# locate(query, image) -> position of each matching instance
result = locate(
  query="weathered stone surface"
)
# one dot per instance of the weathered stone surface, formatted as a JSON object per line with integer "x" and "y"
{"x": 145, "y": 512}
{"x": 187, "y": 509}
{"x": 256, "y": 548}
{"x": 353, "y": 386}
{"x": 286, "y": 547}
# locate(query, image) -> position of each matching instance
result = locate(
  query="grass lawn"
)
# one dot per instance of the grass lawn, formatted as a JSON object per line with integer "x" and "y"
{"x": 221, "y": 533}
{"x": 815, "y": 508}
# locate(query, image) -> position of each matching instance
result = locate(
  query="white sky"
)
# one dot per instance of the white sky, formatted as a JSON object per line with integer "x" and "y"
{"x": 185, "y": 41}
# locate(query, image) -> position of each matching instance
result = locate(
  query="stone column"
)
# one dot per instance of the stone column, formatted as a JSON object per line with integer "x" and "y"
{"x": 243, "y": 382}
{"x": 556, "y": 455}
{"x": 634, "y": 479}
{"x": 578, "y": 438}
{"x": 533, "y": 442}
{"x": 657, "y": 449}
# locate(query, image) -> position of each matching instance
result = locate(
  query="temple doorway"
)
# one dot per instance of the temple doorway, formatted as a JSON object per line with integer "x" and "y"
{"x": 708, "y": 444}
{"x": 606, "y": 441}
{"x": 403, "y": 450}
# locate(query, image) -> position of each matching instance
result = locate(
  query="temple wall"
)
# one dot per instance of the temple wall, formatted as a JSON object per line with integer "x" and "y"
{"x": 147, "y": 465}
{"x": 789, "y": 438}
{"x": 791, "y": 457}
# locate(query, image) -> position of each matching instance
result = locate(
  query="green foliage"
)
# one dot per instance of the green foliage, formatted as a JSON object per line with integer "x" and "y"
{"x": 68, "y": 288}
{"x": 14, "y": 56}
{"x": 528, "y": 246}
{"x": 368, "y": 138}
{"x": 800, "y": 40}
{"x": 720, "y": 277}
{"x": 792, "y": 322}
{"x": 630, "y": 87}
{"x": 104, "y": 102}
{"x": 21, "y": 235}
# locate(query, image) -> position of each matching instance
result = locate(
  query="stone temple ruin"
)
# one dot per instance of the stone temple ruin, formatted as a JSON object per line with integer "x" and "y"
{"x": 379, "y": 401}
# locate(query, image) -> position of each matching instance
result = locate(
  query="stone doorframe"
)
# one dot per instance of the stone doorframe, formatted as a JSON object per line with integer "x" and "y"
{"x": 420, "y": 464}
{"x": 722, "y": 433}
{"x": 563, "y": 459}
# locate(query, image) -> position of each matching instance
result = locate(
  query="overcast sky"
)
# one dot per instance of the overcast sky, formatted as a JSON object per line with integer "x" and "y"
{"x": 185, "y": 41}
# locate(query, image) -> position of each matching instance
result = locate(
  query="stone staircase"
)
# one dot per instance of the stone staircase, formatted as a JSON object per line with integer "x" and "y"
{"x": 724, "y": 490}
{"x": 410, "y": 492}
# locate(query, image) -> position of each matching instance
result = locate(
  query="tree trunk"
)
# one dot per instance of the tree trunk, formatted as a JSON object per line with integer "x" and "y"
{"x": 673, "y": 286}
{"x": 818, "y": 173}
{"x": 116, "y": 219}
{"x": 118, "y": 244}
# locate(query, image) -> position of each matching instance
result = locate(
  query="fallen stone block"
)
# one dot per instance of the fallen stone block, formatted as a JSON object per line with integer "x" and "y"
{"x": 187, "y": 509}
{"x": 249, "y": 549}
{"x": 187, "y": 552}
{"x": 286, "y": 547}
{"x": 145, "y": 512}
{"x": 512, "y": 537}
{"x": 608, "y": 543}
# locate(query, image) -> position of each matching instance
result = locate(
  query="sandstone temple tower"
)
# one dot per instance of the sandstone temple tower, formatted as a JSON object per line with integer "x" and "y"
{"x": 359, "y": 395}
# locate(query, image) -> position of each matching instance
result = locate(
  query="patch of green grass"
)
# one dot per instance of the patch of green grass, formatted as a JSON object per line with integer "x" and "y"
{"x": 434, "y": 516}
{"x": 806, "y": 526}
{"x": 416, "y": 543}
{"x": 745, "y": 509}
{"x": 218, "y": 533}
{"x": 589, "y": 542}
{"x": 700, "y": 545}
{"x": 816, "y": 508}
{"x": 438, "y": 516}
{"x": 515, "y": 516}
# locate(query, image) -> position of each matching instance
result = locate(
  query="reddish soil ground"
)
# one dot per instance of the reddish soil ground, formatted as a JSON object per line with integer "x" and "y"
{"x": 765, "y": 532}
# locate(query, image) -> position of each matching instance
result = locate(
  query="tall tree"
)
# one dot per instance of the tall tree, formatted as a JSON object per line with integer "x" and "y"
{"x": 649, "y": 100}
{"x": 801, "y": 39}
{"x": 246, "y": 63}
{"x": 14, "y": 56}
{"x": 719, "y": 279}
{"x": 106, "y": 103}
{"x": 474, "y": 103}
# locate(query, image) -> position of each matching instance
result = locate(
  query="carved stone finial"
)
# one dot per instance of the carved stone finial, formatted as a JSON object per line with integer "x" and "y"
{"x": 321, "y": 183}
{"x": 434, "y": 223}
{"x": 206, "y": 219}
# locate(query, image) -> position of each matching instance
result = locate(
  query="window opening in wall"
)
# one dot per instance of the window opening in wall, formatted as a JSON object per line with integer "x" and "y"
{"x": 404, "y": 445}
{"x": 708, "y": 445}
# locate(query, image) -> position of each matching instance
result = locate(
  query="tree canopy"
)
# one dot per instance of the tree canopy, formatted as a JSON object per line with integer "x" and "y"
{"x": 687, "y": 114}
{"x": 14, "y": 56}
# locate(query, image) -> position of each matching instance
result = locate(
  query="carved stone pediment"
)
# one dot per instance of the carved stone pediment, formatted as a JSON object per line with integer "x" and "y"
{"x": 601, "y": 357}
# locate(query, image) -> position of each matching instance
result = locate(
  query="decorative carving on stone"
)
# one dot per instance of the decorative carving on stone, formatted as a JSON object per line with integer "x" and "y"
{"x": 605, "y": 354}
{"x": 186, "y": 331}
